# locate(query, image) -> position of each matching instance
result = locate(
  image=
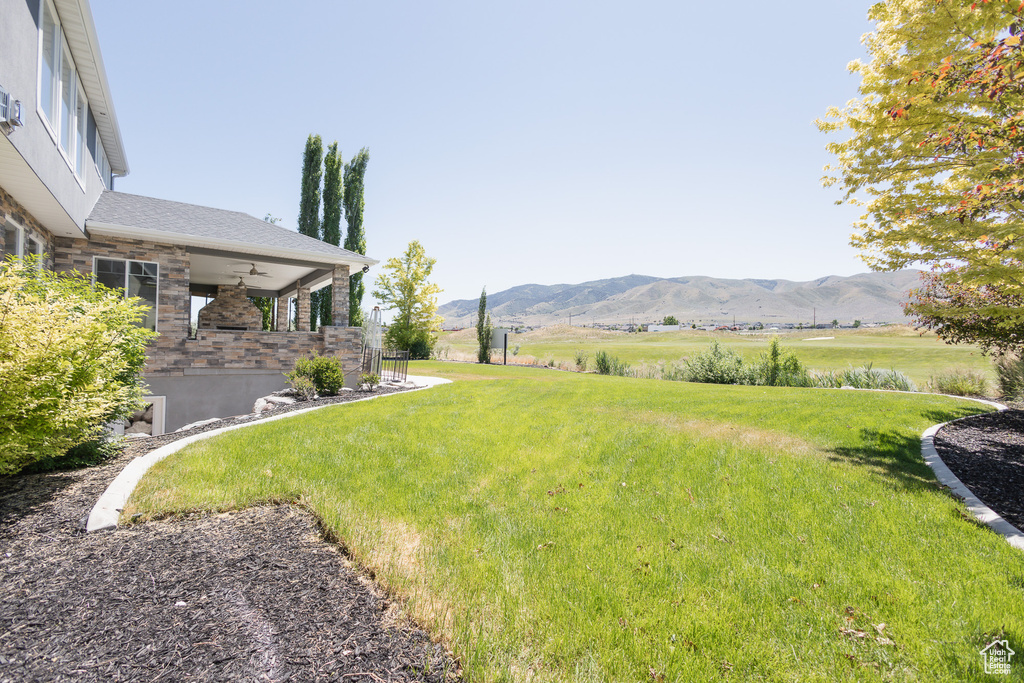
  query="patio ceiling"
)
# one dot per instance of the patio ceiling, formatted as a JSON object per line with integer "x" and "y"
{"x": 211, "y": 268}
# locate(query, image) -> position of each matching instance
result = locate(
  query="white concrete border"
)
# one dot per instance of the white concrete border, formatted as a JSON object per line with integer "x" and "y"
{"x": 982, "y": 512}
{"x": 107, "y": 509}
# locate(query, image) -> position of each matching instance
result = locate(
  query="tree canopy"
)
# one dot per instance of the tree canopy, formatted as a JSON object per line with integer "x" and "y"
{"x": 403, "y": 286}
{"x": 355, "y": 236}
{"x": 484, "y": 330}
{"x": 935, "y": 154}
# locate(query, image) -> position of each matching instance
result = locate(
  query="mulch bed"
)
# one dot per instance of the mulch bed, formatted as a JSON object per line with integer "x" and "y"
{"x": 250, "y": 595}
{"x": 986, "y": 453}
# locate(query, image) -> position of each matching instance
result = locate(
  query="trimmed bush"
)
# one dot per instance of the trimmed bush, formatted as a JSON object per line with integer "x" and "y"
{"x": 323, "y": 371}
{"x": 71, "y": 356}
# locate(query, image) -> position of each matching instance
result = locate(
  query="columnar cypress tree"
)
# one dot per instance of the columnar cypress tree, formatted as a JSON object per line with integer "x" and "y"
{"x": 309, "y": 201}
{"x": 355, "y": 238}
{"x": 484, "y": 330}
{"x": 333, "y": 194}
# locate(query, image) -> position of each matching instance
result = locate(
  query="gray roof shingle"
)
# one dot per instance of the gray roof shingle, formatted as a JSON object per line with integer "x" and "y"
{"x": 203, "y": 222}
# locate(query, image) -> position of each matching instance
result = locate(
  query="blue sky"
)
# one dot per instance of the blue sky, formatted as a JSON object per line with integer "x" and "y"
{"x": 528, "y": 142}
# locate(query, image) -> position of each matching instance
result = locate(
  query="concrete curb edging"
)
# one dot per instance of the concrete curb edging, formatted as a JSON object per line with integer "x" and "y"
{"x": 982, "y": 512}
{"x": 107, "y": 510}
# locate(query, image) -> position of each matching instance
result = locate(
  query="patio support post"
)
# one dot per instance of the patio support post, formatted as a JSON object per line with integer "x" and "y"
{"x": 340, "y": 294}
{"x": 302, "y": 306}
{"x": 282, "y": 314}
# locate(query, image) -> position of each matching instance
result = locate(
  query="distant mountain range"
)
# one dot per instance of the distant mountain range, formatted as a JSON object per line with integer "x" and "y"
{"x": 868, "y": 297}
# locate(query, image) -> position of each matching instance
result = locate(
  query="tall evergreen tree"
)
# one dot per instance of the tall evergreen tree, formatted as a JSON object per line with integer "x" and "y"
{"x": 333, "y": 195}
{"x": 309, "y": 201}
{"x": 484, "y": 331}
{"x": 355, "y": 237}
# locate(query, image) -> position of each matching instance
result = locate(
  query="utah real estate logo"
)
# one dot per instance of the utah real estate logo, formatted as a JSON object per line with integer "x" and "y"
{"x": 997, "y": 656}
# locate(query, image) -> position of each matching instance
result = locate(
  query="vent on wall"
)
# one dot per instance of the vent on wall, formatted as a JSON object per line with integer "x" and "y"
{"x": 10, "y": 112}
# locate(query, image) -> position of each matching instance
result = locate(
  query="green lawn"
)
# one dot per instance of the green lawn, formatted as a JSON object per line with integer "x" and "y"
{"x": 918, "y": 355}
{"x": 560, "y": 526}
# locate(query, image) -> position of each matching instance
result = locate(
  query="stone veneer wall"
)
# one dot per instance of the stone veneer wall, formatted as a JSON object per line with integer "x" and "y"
{"x": 231, "y": 308}
{"x": 234, "y": 350}
{"x": 172, "y": 353}
{"x": 33, "y": 228}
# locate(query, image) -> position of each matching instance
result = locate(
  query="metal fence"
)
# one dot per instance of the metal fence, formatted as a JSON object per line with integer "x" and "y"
{"x": 391, "y": 366}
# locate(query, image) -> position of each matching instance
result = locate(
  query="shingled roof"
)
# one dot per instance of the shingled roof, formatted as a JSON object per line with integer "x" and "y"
{"x": 179, "y": 223}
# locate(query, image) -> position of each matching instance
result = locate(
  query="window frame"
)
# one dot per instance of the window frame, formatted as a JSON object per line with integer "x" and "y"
{"x": 54, "y": 121}
{"x": 101, "y": 162}
{"x": 19, "y": 252}
{"x": 127, "y": 274}
{"x": 50, "y": 118}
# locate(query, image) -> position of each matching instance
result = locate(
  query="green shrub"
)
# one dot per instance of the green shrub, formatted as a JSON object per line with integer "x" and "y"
{"x": 303, "y": 386}
{"x": 714, "y": 365}
{"x": 420, "y": 348}
{"x": 610, "y": 365}
{"x": 369, "y": 380}
{"x": 1010, "y": 376}
{"x": 71, "y": 356}
{"x": 323, "y": 371}
{"x": 959, "y": 382}
{"x": 581, "y": 358}
{"x": 776, "y": 368}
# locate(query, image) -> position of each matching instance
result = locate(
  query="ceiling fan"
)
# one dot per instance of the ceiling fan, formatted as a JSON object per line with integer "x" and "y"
{"x": 252, "y": 272}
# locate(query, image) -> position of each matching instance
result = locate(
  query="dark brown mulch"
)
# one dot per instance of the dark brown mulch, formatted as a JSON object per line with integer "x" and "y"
{"x": 986, "y": 453}
{"x": 252, "y": 595}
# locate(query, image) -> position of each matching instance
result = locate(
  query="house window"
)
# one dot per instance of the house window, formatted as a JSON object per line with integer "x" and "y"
{"x": 49, "y": 65}
{"x": 81, "y": 117}
{"x": 14, "y": 240}
{"x": 102, "y": 165}
{"x": 19, "y": 244}
{"x": 62, "y": 102}
{"x": 134, "y": 278}
{"x": 67, "y": 100}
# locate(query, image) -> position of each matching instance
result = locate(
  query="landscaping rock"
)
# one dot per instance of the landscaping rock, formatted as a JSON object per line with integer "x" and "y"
{"x": 139, "y": 427}
{"x": 200, "y": 423}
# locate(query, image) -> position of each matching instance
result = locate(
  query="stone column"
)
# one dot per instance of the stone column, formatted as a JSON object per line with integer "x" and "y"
{"x": 302, "y": 306}
{"x": 339, "y": 295}
{"x": 282, "y": 314}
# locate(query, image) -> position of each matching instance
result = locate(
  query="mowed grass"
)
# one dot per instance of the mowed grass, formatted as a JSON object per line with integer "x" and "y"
{"x": 919, "y": 355}
{"x": 556, "y": 526}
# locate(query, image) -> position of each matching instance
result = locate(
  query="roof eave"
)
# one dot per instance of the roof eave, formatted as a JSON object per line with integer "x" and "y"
{"x": 76, "y": 16}
{"x": 174, "y": 238}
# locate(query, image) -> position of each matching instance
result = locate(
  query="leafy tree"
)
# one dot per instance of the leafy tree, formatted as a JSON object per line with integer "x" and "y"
{"x": 935, "y": 156}
{"x": 355, "y": 237}
{"x": 71, "y": 356}
{"x": 309, "y": 201}
{"x": 484, "y": 331}
{"x": 670, "y": 320}
{"x": 403, "y": 286}
{"x": 936, "y": 298}
{"x": 331, "y": 232}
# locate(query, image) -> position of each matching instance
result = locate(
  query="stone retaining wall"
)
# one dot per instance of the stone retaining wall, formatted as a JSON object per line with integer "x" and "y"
{"x": 214, "y": 350}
